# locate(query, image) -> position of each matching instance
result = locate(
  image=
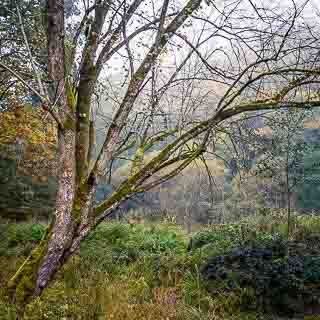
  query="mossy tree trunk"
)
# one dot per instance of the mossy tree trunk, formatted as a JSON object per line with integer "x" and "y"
{"x": 74, "y": 216}
{"x": 36, "y": 272}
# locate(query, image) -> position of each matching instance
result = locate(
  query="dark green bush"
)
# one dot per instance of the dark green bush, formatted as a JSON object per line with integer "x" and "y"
{"x": 280, "y": 282}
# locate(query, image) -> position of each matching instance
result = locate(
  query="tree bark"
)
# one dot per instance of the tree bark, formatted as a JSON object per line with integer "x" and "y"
{"x": 73, "y": 217}
{"x": 44, "y": 261}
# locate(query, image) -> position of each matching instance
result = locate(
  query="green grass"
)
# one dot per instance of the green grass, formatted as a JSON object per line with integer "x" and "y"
{"x": 17, "y": 239}
{"x": 131, "y": 272}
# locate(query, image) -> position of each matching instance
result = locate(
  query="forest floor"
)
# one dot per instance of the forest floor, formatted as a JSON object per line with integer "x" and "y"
{"x": 147, "y": 271}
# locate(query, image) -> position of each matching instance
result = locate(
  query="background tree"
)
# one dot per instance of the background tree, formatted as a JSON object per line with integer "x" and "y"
{"x": 283, "y": 161}
{"x": 21, "y": 20}
{"x": 306, "y": 199}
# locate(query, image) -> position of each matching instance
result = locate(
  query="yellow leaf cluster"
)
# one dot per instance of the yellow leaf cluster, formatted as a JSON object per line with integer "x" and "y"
{"x": 28, "y": 126}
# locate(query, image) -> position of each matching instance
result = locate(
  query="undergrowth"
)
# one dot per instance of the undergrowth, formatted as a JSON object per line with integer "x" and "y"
{"x": 147, "y": 271}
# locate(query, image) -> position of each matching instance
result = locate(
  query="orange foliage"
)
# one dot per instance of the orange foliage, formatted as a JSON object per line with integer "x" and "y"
{"x": 27, "y": 125}
{"x": 38, "y": 135}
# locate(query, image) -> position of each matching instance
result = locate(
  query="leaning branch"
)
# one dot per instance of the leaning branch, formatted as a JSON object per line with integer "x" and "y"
{"x": 136, "y": 83}
{"x": 44, "y": 100}
{"x": 16, "y": 74}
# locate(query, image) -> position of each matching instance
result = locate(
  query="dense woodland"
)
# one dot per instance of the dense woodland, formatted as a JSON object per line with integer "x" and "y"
{"x": 159, "y": 159}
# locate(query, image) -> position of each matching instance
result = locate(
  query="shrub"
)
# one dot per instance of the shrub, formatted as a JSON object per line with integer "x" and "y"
{"x": 220, "y": 235}
{"x": 19, "y": 239}
{"x": 112, "y": 246}
{"x": 280, "y": 282}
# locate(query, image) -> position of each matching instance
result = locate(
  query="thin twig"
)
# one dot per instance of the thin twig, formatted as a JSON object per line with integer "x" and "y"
{"x": 37, "y": 74}
{"x": 14, "y": 73}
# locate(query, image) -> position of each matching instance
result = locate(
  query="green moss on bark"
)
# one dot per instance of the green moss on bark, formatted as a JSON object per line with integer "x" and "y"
{"x": 138, "y": 160}
{"x": 132, "y": 183}
{"x": 140, "y": 74}
{"x": 115, "y": 197}
{"x": 76, "y": 211}
{"x": 69, "y": 123}
{"x": 71, "y": 94}
{"x": 22, "y": 285}
{"x": 83, "y": 198}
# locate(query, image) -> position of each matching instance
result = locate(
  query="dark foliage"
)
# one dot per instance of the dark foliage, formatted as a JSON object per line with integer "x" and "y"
{"x": 280, "y": 283}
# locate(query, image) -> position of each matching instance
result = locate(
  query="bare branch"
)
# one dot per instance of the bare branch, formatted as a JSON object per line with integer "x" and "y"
{"x": 36, "y": 72}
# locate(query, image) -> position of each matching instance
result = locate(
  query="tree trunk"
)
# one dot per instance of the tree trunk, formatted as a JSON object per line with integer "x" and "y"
{"x": 73, "y": 218}
{"x": 289, "y": 214}
{"x": 43, "y": 262}
{"x": 39, "y": 268}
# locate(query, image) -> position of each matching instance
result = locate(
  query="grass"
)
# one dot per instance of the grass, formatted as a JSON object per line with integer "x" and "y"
{"x": 127, "y": 271}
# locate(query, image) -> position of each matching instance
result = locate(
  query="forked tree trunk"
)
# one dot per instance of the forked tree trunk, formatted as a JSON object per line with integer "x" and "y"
{"x": 75, "y": 190}
{"x": 61, "y": 240}
{"x": 72, "y": 223}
